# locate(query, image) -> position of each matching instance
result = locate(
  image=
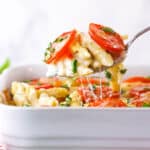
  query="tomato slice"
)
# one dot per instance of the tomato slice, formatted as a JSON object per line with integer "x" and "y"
{"x": 141, "y": 100}
{"x": 97, "y": 93}
{"x": 108, "y": 102}
{"x": 138, "y": 90}
{"x": 108, "y": 39}
{"x": 43, "y": 86}
{"x": 39, "y": 85}
{"x": 62, "y": 47}
{"x": 137, "y": 79}
{"x": 87, "y": 81}
{"x": 139, "y": 95}
{"x": 54, "y": 81}
{"x": 33, "y": 82}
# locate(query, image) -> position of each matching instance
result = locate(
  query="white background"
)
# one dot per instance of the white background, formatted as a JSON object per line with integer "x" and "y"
{"x": 26, "y": 26}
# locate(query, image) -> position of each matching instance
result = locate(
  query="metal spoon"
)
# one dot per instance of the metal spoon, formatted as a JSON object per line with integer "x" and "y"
{"x": 120, "y": 58}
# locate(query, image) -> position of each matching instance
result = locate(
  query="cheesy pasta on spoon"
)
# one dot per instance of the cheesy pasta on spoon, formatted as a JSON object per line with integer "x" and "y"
{"x": 75, "y": 53}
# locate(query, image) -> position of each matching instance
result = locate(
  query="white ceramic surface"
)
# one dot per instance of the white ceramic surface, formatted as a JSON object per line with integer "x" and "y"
{"x": 72, "y": 128}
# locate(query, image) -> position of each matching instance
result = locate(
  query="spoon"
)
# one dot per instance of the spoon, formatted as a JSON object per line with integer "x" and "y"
{"x": 120, "y": 58}
{"x": 128, "y": 45}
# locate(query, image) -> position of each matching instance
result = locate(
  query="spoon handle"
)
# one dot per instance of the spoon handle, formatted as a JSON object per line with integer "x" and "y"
{"x": 137, "y": 36}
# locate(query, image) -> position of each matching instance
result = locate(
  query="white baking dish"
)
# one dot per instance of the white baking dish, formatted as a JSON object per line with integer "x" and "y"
{"x": 72, "y": 128}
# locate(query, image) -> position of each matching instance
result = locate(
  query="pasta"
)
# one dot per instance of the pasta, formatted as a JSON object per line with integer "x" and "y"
{"x": 80, "y": 92}
{"x": 71, "y": 57}
{"x": 75, "y": 53}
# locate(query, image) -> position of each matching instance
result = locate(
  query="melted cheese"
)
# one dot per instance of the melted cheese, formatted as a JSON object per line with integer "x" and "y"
{"x": 116, "y": 77}
{"x": 90, "y": 58}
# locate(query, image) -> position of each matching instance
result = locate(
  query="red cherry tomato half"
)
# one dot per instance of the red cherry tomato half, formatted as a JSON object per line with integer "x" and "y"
{"x": 108, "y": 102}
{"x": 90, "y": 95}
{"x": 33, "y": 82}
{"x": 137, "y": 79}
{"x": 108, "y": 39}
{"x": 54, "y": 81}
{"x": 138, "y": 90}
{"x": 43, "y": 86}
{"x": 86, "y": 81}
{"x": 39, "y": 85}
{"x": 64, "y": 42}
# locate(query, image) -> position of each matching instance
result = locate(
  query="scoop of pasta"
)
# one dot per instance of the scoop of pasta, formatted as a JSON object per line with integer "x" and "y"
{"x": 83, "y": 56}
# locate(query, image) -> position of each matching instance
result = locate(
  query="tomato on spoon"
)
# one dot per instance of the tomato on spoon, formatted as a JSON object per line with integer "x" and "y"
{"x": 107, "y": 38}
{"x": 60, "y": 48}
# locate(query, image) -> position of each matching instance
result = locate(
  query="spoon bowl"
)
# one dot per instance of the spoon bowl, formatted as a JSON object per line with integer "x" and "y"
{"x": 121, "y": 58}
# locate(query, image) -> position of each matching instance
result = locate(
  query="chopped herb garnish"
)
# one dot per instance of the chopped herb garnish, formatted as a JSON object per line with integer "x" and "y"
{"x": 67, "y": 102}
{"x": 94, "y": 87}
{"x": 146, "y": 105}
{"x": 65, "y": 86}
{"x": 108, "y": 30}
{"x": 50, "y": 44}
{"x": 128, "y": 100}
{"x": 74, "y": 66}
{"x": 50, "y": 49}
{"x": 26, "y": 81}
{"x": 123, "y": 71}
{"x": 5, "y": 65}
{"x": 148, "y": 77}
{"x": 108, "y": 75}
{"x": 59, "y": 39}
{"x": 63, "y": 104}
{"x": 27, "y": 105}
{"x": 123, "y": 91}
{"x": 47, "y": 54}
